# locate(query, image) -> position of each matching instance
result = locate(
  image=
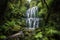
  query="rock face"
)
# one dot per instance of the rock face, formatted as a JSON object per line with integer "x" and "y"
{"x": 32, "y": 20}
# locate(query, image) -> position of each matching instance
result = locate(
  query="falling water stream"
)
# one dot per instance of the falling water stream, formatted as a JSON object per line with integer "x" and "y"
{"x": 32, "y": 19}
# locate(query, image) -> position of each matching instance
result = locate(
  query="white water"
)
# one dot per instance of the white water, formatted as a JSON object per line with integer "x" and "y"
{"x": 32, "y": 20}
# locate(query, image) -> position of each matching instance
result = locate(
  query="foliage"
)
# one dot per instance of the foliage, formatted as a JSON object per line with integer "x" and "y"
{"x": 2, "y": 37}
{"x": 47, "y": 32}
{"x": 14, "y": 20}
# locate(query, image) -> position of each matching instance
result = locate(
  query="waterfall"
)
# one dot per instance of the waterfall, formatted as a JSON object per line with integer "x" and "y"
{"x": 32, "y": 20}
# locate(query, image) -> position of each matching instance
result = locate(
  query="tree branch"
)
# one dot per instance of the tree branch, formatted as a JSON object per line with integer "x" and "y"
{"x": 15, "y": 35}
{"x": 49, "y": 11}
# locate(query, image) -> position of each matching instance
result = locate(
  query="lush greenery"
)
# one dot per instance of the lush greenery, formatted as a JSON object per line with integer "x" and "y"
{"x": 14, "y": 20}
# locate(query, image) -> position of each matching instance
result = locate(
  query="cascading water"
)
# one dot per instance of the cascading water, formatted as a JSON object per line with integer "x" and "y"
{"x": 32, "y": 20}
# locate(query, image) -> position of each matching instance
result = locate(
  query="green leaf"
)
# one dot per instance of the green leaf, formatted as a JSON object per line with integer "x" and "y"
{"x": 39, "y": 35}
{"x": 2, "y": 37}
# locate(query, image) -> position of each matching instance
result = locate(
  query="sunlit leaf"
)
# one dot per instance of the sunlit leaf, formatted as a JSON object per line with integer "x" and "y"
{"x": 39, "y": 35}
